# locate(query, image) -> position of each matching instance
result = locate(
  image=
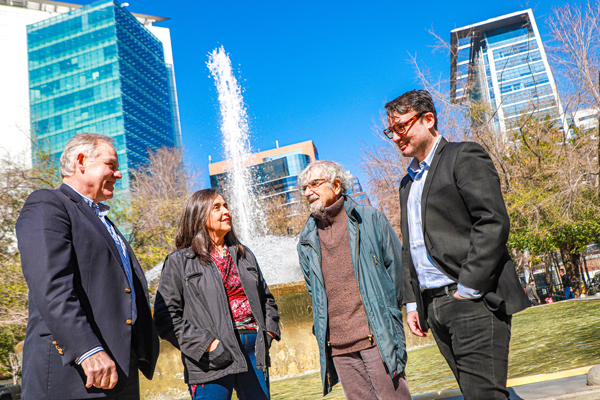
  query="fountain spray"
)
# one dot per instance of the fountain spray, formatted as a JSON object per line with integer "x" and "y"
{"x": 276, "y": 255}
{"x": 234, "y": 126}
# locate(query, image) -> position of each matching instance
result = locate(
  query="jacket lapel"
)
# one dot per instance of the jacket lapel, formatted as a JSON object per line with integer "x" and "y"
{"x": 94, "y": 220}
{"x": 434, "y": 163}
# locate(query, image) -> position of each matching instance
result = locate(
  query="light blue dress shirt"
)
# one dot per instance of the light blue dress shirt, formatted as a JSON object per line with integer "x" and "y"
{"x": 430, "y": 276}
{"x": 101, "y": 210}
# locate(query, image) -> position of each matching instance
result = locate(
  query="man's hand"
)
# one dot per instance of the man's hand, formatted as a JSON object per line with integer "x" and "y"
{"x": 459, "y": 297}
{"x": 100, "y": 370}
{"x": 213, "y": 345}
{"x": 412, "y": 319}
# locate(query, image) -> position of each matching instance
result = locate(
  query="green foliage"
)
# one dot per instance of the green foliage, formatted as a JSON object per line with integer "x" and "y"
{"x": 551, "y": 190}
{"x": 148, "y": 217}
{"x": 16, "y": 183}
{"x": 10, "y": 336}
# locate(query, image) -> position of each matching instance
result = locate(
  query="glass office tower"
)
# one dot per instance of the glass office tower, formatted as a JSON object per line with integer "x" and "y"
{"x": 98, "y": 69}
{"x": 275, "y": 172}
{"x": 501, "y": 63}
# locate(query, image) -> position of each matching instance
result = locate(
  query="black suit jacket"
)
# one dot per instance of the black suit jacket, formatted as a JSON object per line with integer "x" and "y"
{"x": 79, "y": 298}
{"x": 465, "y": 228}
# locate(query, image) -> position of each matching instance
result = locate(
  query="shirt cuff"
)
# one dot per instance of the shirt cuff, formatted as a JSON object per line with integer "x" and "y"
{"x": 468, "y": 293}
{"x": 85, "y": 355}
{"x": 411, "y": 307}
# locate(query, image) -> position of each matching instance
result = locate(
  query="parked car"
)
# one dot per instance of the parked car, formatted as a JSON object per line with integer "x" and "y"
{"x": 12, "y": 392}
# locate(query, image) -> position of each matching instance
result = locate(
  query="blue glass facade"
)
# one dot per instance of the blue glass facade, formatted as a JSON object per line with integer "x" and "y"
{"x": 276, "y": 176}
{"x": 357, "y": 193}
{"x": 502, "y": 63}
{"x": 98, "y": 69}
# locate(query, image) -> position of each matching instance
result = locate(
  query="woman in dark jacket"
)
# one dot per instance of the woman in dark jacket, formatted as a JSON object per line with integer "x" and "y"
{"x": 214, "y": 305}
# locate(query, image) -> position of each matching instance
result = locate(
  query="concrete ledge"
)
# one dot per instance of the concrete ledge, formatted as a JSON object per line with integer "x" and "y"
{"x": 282, "y": 289}
{"x": 547, "y": 377}
{"x": 563, "y": 385}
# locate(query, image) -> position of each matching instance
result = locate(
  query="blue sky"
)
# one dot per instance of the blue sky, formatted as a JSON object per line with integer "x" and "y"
{"x": 319, "y": 70}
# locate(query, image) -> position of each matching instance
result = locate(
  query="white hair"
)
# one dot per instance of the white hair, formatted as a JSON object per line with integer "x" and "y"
{"x": 82, "y": 143}
{"x": 330, "y": 170}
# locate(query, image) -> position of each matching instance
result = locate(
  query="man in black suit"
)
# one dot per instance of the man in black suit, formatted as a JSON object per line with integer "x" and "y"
{"x": 459, "y": 277}
{"x": 90, "y": 327}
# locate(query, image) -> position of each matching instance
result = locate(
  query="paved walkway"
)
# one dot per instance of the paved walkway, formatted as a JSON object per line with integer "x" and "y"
{"x": 564, "y": 385}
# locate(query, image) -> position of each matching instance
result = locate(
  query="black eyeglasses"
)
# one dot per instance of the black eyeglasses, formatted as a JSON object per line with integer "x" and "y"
{"x": 401, "y": 128}
{"x": 312, "y": 185}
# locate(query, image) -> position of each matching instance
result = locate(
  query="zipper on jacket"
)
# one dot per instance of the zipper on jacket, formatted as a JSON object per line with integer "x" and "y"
{"x": 370, "y": 336}
{"x": 260, "y": 331}
{"x": 245, "y": 292}
{"x": 224, "y": 293}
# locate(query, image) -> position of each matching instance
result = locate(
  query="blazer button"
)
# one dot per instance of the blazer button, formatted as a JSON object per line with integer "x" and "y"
{"x": 128, "y": 322}
{"x": 127, "y": 290}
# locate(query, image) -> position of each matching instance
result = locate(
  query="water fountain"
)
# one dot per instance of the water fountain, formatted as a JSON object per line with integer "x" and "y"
{"x": 276, "y": 255}
{"x": 236, "y": 144}
{"x": 297, "y": 352}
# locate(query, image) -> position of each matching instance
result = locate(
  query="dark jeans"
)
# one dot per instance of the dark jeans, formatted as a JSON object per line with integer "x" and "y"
{"x": 250, "y": 385}
{"x": 568, "y": 293}
{"x": 474, "y": 341}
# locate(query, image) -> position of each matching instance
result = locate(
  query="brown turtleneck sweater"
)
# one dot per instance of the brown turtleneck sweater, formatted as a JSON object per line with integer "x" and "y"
{"x": 348, "y": 327}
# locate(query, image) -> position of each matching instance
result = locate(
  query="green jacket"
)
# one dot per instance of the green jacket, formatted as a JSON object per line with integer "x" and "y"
{"x": 377, "y": 262}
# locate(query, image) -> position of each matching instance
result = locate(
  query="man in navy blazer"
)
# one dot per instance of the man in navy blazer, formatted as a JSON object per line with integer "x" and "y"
{"x": 459, "y": 278}
{"x": 90, "y": 326}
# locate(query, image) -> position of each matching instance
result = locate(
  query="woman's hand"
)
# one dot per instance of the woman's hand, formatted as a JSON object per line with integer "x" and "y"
{"x": 213, "y": 345}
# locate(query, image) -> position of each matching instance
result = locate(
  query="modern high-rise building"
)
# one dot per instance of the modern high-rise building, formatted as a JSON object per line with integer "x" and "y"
{"x": 15, "y": 135}
{"x": 275, "y": 172}
{"x": 586, "y": 119}
{"x": 357, "y": 193}
{"x": 94, "y": 68}
{"x": 501, "y": 64}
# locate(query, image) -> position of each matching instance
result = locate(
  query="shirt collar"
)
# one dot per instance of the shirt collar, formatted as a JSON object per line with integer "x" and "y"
{"x": 102, "y": 208}
{"x": 415, "y": 167}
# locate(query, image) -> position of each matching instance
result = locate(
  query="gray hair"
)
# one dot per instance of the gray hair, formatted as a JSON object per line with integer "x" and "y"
{"x": 330, "y": 170}
{"x": 82, "y": 143}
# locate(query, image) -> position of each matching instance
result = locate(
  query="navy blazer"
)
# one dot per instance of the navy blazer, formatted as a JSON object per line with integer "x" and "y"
{"x": 79, "y": 298}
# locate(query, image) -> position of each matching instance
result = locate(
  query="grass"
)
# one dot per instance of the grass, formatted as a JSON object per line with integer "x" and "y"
{"x": 545, "y": 339}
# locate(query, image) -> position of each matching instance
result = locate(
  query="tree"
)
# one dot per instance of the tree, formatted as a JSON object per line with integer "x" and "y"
{"x": 549, "y": 179}
{"x": 149, "y": 216}
{"x": 16, "y": 183}
{"x": 552, "y": 197}
{"x": 384, "y": 167}
{"x": 575, "y": 50}
{"x": 282, "y": 217}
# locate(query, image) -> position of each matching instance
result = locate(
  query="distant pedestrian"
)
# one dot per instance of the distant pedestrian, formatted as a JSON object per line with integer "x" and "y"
{"x": 568, "y": 287}
{"x": 531, "y": 291}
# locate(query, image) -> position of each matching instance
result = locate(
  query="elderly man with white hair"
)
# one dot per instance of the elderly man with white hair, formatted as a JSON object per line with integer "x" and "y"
{"x": 351, "y": 260}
